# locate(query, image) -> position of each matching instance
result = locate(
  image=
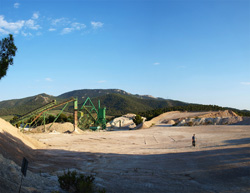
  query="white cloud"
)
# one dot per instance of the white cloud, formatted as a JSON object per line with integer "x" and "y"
{"x": 26, "y": 34}
{"x": 67, "y": 30}
{"x": 16, "y": 5}
{"x": 96, "y": 25}
{"x": 4, "y": 32}
{"x": 15, "y": 27}
{"x": 73, "y": 27}
{"x": 10, "y": 27}
{"x": 66, "y": 25}
{"x": 60, "y": 21}
{"x": 48, "y": 79}
{"x": 31, "y": 24}
{"x": 35, "y": 15}
{"x": 78, "y": 26}
{"x": 156, "y": 63}
{"x": 245, "y": 83}
{"x": 25, "y": 27}
{"x": 52, "y": 29}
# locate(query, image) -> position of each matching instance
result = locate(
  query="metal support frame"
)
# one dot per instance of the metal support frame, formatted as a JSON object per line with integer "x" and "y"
{"x": 89, "y": 115}
{"x": 41, "y": 111}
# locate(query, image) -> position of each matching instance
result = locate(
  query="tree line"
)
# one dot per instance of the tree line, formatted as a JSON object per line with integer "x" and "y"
{"x": 62, "y": 118}
{"x": 150, "y": 114}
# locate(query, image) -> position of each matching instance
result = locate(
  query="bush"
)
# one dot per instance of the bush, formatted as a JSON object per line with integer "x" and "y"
{"x": 77, "y": 183}
{"x": 62, "y": 118}
{"x": 138, "y": 120}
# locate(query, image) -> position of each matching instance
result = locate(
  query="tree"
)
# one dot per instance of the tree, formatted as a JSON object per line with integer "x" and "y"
{"x": 138, "y": 119}
{"x": 62, "y": 118}
{"x": 7, "y": 52}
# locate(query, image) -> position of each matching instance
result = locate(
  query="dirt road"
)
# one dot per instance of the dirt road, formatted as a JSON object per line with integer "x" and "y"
{"x": 159, "y": 159}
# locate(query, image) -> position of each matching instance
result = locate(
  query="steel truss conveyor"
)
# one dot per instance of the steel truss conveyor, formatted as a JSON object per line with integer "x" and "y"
{"x": 35, "y": 114}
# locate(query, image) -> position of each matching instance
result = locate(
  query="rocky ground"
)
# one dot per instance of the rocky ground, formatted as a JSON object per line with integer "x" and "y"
{"x": 157, "y": 159}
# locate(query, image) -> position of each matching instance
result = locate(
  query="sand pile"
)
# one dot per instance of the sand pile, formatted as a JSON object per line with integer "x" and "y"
{"x": 226, "y": 117}
{"x": 9, "y": 130}
{"x": 158, "y": 119}
{"x": 14, "y": 145}
{"x": 221, "y": 114}
{"x": 56, "y": 127}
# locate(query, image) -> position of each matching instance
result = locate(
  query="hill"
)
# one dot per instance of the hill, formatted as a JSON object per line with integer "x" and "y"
{"x": 84, "y": 93}
{"x": 24, "y": 105}
{"x": 118, "y": 104}
{"x": 116, "y": 101}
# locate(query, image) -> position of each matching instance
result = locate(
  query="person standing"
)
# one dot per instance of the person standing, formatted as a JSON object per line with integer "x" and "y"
{"x": 193, "y": 140}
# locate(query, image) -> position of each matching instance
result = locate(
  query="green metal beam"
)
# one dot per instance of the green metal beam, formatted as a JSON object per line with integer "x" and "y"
{"x": 34, "y": 112}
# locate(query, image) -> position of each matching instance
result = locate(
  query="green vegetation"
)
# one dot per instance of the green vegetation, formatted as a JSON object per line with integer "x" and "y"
{"x": 78, "y": 183}
{"x": 117, "y": 102}
{"x": 7, "y": 52}
{"x": 48, "y": 119}
{"x": 137, "y": 120}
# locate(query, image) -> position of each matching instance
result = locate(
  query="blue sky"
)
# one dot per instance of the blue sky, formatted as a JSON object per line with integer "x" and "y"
{"x": 196, "y": 51}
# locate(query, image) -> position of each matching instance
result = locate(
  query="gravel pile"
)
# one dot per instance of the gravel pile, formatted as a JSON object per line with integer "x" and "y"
{"x": 56, "y": 127}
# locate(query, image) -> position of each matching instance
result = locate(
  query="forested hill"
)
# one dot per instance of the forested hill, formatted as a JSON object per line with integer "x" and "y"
{"x": 84, "y": 93}
{"x": 117, "y": 104}
{"x": 24, "y": 105}
{"x": 116, "y": 101}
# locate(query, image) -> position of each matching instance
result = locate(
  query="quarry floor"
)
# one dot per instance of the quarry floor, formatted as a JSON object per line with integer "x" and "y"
{"x": 157, "y": 159}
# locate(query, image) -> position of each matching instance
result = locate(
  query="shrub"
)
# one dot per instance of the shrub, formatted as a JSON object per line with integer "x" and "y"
{"x": 77, "y": 183}
{"x": 62, "y": 118}
{"x": 138, "y": 120}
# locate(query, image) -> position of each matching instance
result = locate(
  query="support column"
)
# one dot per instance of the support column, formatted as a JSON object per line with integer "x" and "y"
{"x": 75, "y": 113}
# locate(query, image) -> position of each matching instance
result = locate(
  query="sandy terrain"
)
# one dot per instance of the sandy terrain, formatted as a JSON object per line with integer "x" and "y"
{"x": 158, "y": 159}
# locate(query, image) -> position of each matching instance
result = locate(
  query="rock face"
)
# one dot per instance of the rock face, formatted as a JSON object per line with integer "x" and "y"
{"x": 124, "y": 121}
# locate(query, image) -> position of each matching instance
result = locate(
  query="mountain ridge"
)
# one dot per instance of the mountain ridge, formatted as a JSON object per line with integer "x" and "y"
{"x": 116, "y": 101}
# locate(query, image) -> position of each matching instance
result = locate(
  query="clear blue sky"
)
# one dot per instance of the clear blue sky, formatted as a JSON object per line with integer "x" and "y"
{"x": 195, "y": 51}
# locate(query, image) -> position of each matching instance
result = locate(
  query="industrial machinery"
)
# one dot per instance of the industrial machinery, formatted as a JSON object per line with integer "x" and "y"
{"x": 31, "y": 119}
{"x": 89, "y": 116}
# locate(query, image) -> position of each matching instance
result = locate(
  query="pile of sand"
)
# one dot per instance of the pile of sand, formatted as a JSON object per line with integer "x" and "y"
{"x": 221, "y": 114}
{"x": 56, "y": 127}
{"x": 157, "y": 120}
{"x": 6, "y": 129}
{"x": 14, "y": 145}
{"x": 226, "y": 117}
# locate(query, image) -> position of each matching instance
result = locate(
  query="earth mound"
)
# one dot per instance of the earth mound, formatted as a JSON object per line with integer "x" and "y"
{"x": 55, "y": 128}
